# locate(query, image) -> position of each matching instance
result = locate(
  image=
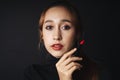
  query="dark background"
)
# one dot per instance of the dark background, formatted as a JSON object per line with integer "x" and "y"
{"x": 19, "y": 34}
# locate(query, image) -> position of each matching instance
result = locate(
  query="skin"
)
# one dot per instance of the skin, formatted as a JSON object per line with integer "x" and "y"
{"x": 58, "y": 18}
{"x": 58, "y": 28}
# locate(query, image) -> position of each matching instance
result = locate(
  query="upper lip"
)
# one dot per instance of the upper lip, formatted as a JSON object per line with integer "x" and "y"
{"x": 57, "y": 44}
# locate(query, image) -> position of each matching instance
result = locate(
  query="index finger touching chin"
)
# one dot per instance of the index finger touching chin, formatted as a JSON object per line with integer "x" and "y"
{"x": 68, "y": 54}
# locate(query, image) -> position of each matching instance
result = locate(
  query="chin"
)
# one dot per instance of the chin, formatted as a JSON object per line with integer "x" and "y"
{"x": 56, "y": 54}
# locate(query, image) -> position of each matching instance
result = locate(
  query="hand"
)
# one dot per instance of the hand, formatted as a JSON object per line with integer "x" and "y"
{"x": 67, "y": 65}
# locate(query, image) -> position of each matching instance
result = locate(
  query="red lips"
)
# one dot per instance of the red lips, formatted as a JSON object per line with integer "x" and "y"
{"x": 57, "y": 46}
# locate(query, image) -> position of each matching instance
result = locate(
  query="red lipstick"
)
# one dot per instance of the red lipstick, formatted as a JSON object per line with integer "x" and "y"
{"x": 57, "y": 47}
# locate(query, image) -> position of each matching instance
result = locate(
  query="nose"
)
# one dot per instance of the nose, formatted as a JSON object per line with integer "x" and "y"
{"x": 57, "y": 35}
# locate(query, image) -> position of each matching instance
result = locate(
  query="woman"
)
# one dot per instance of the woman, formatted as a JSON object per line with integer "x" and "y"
{"x": 62, "y": 57}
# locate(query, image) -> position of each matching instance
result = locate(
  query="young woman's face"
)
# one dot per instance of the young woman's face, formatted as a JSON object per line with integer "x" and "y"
{"x": 58, "y": 32}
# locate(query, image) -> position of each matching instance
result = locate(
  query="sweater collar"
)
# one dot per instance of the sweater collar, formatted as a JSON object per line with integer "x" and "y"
{"x": 47, "y": 59}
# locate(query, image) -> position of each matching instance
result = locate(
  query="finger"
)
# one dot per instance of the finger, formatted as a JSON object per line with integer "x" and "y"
{"x": 72, "y": 64}
{"x": 72, "y": 69}
{"x": 71, "y": 59}
{"x": 66, "y": 55}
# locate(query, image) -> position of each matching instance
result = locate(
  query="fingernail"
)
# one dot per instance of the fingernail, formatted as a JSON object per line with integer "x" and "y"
{"x": 75, "y": 48}
{"x": 81, "y": 58}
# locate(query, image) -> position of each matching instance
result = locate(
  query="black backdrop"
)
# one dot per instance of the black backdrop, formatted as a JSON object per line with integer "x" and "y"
{"x": 19, "y": 34}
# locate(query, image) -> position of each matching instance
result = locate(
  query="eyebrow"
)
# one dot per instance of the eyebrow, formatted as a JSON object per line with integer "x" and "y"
{"x": 48, "y": 21}
{"x": 66, "y": 20}
{"x": 63, "y": 20}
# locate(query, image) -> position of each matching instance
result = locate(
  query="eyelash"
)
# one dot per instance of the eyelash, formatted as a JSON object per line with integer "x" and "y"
{"x": 49, "y": 27}
{"x": 65, "y": 27}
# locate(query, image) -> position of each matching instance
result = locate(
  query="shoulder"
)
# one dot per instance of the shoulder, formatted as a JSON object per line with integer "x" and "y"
{"x": 32, "y": 67}
{"x": 40, "y": 72}
{"x": 35, "y": 68}
{"x": 33, "y": 71}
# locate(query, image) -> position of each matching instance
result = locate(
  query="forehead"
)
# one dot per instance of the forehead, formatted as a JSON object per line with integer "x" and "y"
{"x": 59, "y": 12}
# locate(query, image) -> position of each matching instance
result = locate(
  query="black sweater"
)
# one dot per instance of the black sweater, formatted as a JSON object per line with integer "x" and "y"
{"x": 46, "y": 70}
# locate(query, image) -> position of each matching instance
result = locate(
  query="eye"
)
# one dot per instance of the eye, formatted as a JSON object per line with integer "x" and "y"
{"x": 49, "y": 27}
{"x": 66, "y": 27}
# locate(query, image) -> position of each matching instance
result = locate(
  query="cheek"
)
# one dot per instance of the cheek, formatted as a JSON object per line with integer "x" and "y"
{"x": 69, "y": 38}
{"x": 46, "y": 38}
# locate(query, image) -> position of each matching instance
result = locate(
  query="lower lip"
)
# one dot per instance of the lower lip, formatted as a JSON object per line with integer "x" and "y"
{"x": 57, "y": 48}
